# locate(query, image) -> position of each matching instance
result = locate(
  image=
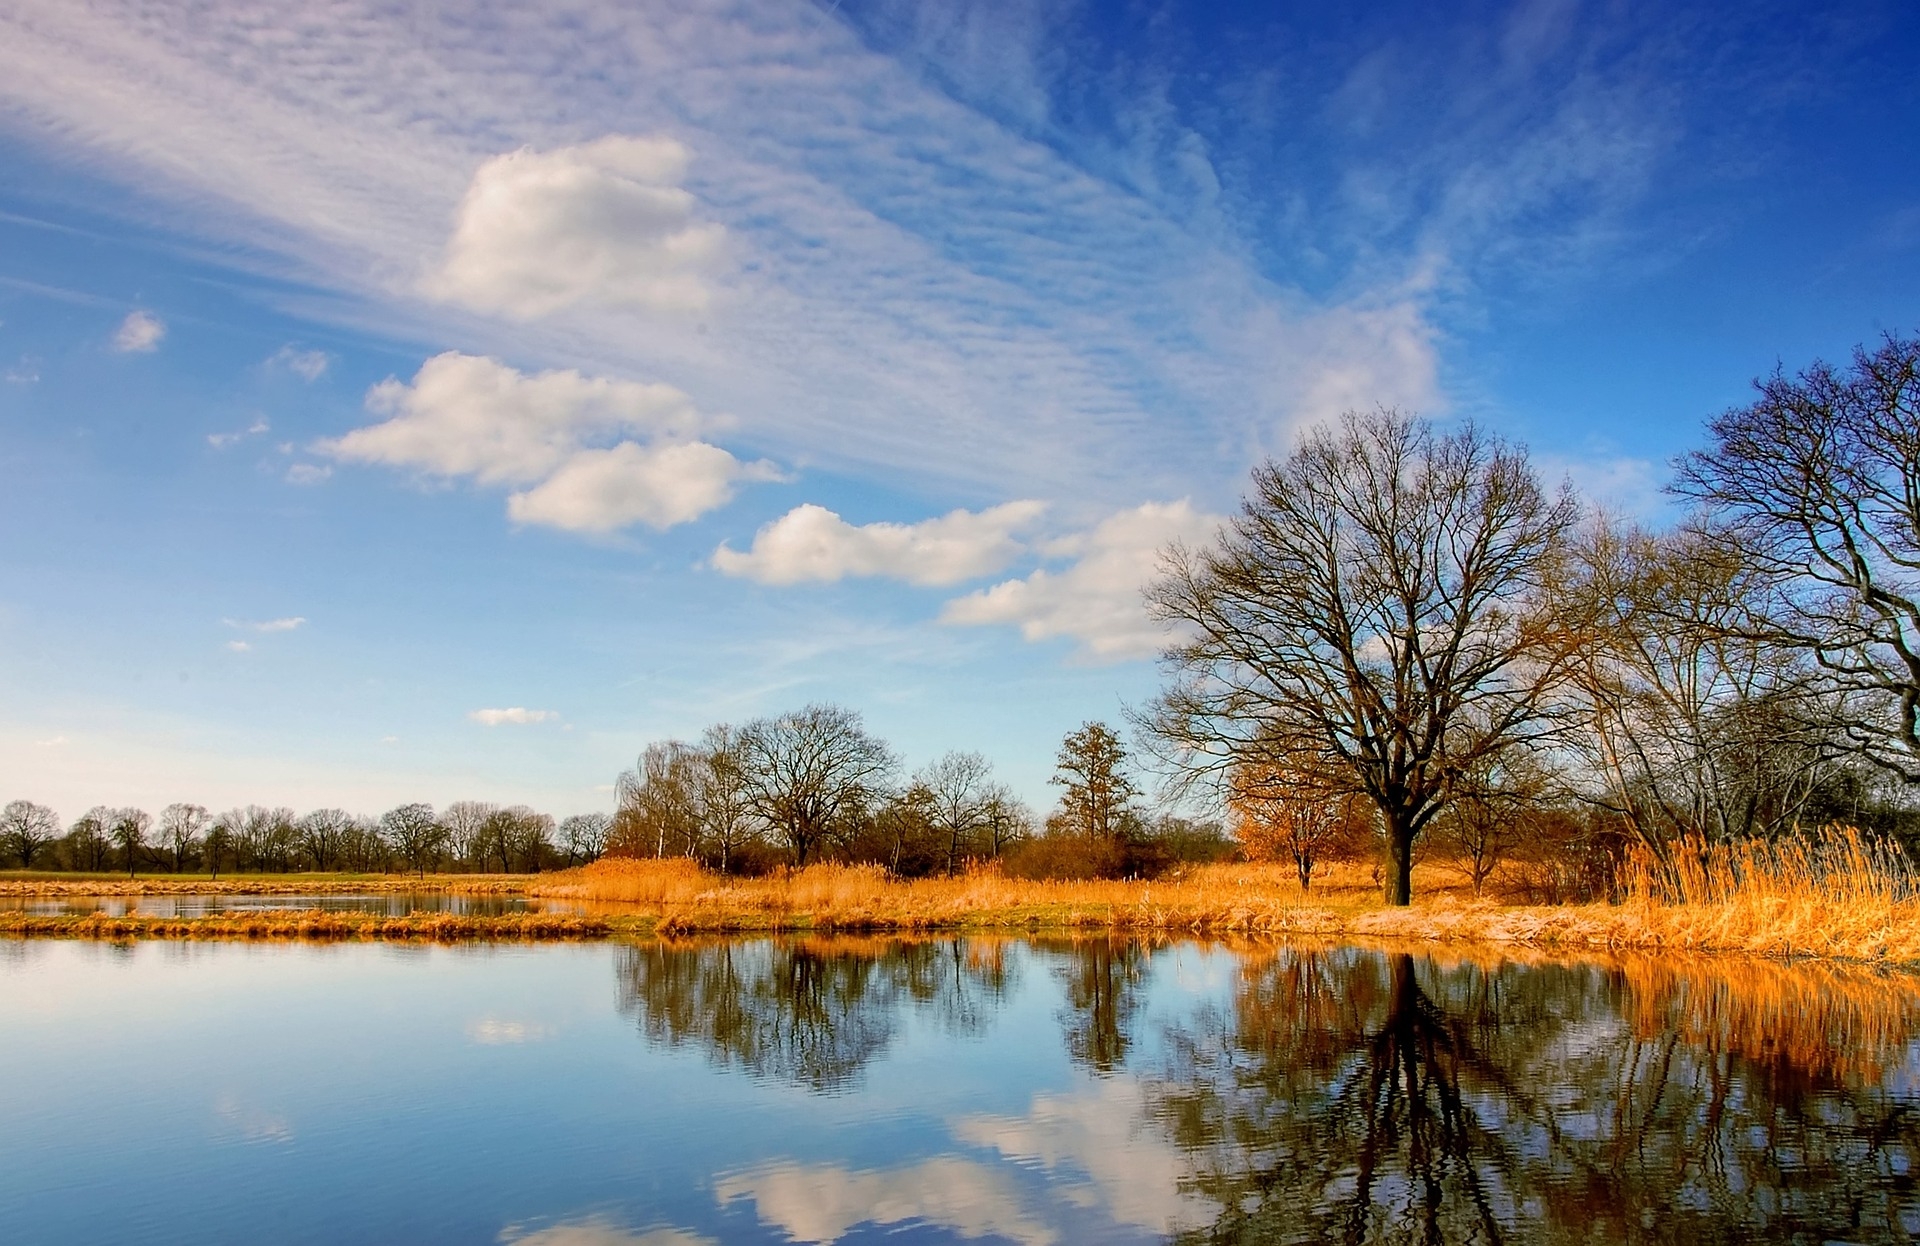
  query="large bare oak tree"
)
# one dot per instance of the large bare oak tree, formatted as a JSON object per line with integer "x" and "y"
{"x": 1376, "y": 604}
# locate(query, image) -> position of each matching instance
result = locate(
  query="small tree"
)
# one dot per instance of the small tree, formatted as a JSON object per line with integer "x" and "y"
{"x": 1297, "y": 808}
{"x": 27, "y": 828}
{"x": 958, "y": 791}
{"x": 128, "y": 831}
{"x": 87, "y": 841}
{"x": 583, "y": 837}
{"x": 1097, "y": 793}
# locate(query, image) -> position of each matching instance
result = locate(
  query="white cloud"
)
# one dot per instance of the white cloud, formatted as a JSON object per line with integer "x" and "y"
{"x": 813, "y": 543}
{"x": 1134, "y": 1176}
{"x": 52, "y": 742}
{"x": 1624, "y": 484}
{"x": 139, "y": 333}
{"x": 238, "y": 646}
{"x": 820, "y": 1203}
{"x": 25, "y": 374}
{"x": 604, "y": 223}
{"x": 308, "y": 365}
{"x": 463, "y": 415}
{"x": 308, "y": 473}
{"x": 221, "y": 441}
{"x": 515, "y": 715}
{"x": 660, "y": 486}
{"x": 1096, "y": 600}
{"x": 600, "y": 1231}
{"x": 289, "y": 624}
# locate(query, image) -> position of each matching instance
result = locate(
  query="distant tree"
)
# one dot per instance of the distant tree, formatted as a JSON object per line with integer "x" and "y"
{"x": 219, "y": 842}
{"x": 1818, "y": 483}
{"x": 180, "y": 828}
{"x": 812, "y": 775}
{"x": 364, "y": 848}
{"x": 658, "y": 813}
{"x": 1378, "y": 602}
{"x": 531, "y": 839}
{"x": 466, "y": 821}
{"x": 583, "y": 837}
{"x": 1008, "y": 821}
{"x": 959, "y": 792}
{"x": 1097, "y": 792}
{"x": 128, "y": 831}
{"x": 723, "y": 798}
{"x": 26, "y": 829}
{"x": 321, "y": 836}
{"x": 904, "y": 834}
{"x": 87, "y": 839}
{"x": 415, "y": 834}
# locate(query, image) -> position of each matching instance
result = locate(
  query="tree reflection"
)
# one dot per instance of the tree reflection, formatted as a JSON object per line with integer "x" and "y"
{"x": 813, "y": 1012}
{"x": 1103, "y": 980}
{"x": 1356, "y": 1097}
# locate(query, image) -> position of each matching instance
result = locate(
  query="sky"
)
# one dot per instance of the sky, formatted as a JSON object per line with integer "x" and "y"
{"x": 438, "y": 401}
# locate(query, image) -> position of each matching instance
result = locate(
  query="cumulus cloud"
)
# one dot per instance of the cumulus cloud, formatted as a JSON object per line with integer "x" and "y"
{"x": 221, "y": 441}
{"x": 139, "y": 333}
{"x": 820, "y": 1203}
{"x": 308, "y": 365}
{"x": 516, "y": 715}
{"x": 603, "y": 223}
{"x": 463, "y": 415}
{"x": 813, "y": 543}
{"x": 660, "y": 486}
{"x": 1096, "y": 600}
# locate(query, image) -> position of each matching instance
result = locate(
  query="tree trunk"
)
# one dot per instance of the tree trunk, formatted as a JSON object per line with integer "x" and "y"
{"x": 1399, "y": 862}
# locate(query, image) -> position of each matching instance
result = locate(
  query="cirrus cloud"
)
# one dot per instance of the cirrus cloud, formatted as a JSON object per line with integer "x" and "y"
{"x": 813, "y": 543}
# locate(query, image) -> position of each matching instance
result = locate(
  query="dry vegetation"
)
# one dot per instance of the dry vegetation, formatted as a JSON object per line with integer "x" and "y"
{"x": 310, "y": 924}
{"x": 1836, "y": 897}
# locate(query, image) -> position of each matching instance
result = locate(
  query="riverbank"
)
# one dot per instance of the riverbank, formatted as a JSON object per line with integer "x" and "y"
{"x": 1843, "y": 918}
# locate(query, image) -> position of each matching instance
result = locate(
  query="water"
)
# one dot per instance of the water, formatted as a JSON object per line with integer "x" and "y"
{"x": 386, "y": 903}
{"x": 954, "y": 1090}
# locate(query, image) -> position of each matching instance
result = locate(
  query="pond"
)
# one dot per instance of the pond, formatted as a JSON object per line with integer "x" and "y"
{"x": 854, "y": 1090}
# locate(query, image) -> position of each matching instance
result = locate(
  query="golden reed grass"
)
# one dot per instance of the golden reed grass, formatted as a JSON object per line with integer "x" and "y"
{"x": 1834, "y": 894}
{"x": 309, "y": 924}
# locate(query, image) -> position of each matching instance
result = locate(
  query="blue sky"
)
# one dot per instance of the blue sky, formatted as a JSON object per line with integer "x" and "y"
{"x": 440, "y": 401}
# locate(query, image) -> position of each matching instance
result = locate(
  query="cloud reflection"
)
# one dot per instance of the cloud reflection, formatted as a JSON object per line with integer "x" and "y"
{"x": 600, "y": 1231}
{"x": 820, "y": 1203}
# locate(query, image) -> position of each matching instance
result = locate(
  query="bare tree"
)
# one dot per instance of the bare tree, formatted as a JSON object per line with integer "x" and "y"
{"x": 1819, "y": 481}
{"x": 219, "y": 841}
{"x": 1377, "y": 602}
{"x": 958, "y": 792}
{"x": 181, "y": 826}
{"x": 28, "y": 828}
{"x": 415, "y": 834}
{"x": 87, "y": 841}
{"x": 812, "y": 774}
{"x": 465, "y": 821}
{"x": 658, "y": 813}
{"x": 322, "y": 836}
{"x": 1007, "y": 819}
{"x": 1296, "y": 807}
{"x": 128, "y": 830}
{"x": 723, "y": 798}
{"x": 1097, "y": 793}
{"x": 583, "y": 837}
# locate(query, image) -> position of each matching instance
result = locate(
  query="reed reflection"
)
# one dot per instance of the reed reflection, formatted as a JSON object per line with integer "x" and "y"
{"x": 1359, "y": 1097}
{"x": 809, "y": 1011}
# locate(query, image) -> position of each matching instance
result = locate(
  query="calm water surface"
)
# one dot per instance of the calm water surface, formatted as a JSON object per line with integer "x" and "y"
{"x": 959, "y": 1090}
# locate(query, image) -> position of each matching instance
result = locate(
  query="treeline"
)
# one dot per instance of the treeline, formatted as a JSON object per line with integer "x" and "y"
{"x": 815, "y": 785}
{"x": 468, "y": 836}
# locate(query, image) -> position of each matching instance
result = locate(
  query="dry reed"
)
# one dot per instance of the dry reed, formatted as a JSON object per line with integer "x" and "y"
{"x": 313, "y": 924}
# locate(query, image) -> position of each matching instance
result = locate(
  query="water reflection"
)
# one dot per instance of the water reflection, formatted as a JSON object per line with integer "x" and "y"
{"x": 387, "y": 904}
{"x": 809, "y": 1011}
{"x": 1356, "y": 1097}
